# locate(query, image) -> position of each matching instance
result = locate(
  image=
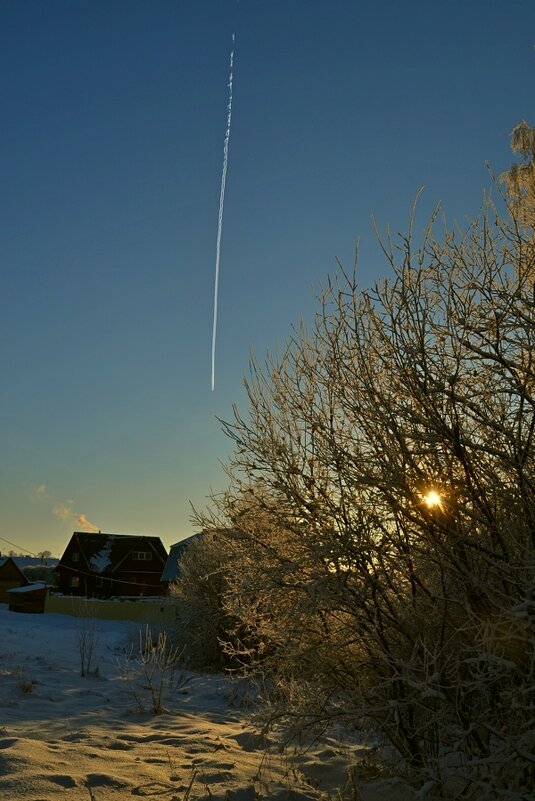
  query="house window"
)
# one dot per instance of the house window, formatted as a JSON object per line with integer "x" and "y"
{"x": 75, "y": 581}
{"x": 75, "y": 556}
{"x": 142, "y": 556}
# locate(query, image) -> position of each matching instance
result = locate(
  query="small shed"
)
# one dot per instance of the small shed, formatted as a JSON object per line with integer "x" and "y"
{"x": 10, "y": 576}
{"x": 29, "y": 598}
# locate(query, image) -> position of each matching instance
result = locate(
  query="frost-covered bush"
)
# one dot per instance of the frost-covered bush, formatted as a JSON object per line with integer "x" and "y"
{"x": 151, "y": 669}
{"x": 201, "y": 620}
{"x": 383, "y": 483}
{"x": 86, "y": 634}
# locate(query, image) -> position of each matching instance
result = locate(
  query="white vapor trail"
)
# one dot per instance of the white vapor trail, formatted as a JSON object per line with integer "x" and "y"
{"x": 221, "y": 207}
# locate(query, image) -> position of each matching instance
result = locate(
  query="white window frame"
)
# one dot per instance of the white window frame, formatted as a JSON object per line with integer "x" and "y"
{"x": 142, "y": 556}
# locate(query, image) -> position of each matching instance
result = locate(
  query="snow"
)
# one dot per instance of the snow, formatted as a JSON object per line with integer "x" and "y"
{"x": 101, "y": 560}
{"x": 84, "y": 739}
{"x": 37, "y": 585}
{"x": 32, "y": 561}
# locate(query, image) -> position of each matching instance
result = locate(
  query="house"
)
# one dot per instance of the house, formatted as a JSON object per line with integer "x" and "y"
{"x": 10, "y": 576}
{"x": 104, "y": 565}
{"x": 28, "y": 598}
{"x": 171, "y": 571}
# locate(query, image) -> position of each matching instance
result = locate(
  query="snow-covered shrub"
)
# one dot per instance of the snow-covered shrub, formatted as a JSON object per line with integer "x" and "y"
{"x": 151, "y": 670}
{"x": 86, "y": 635}
{"x": 202, "y": 624}
{"x": 384, "y": 486}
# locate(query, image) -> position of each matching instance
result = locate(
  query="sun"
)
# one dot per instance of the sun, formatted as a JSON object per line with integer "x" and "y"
{"x": 433, "y": 500}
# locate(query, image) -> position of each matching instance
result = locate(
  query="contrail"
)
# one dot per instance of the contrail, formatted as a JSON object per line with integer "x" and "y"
{"x": 221, "y": 206}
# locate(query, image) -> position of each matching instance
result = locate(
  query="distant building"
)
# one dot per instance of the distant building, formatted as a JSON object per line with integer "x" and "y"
{"x": 10, "y": 576}
{"x": 104, "y": 565}
{"x": 171, "y": 571}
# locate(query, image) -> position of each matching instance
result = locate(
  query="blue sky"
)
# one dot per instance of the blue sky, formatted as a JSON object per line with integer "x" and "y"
{"x": 111, "y": 145}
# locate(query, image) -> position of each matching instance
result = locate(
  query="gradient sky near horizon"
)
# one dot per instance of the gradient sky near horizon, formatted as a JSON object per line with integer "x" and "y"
{"x": 111, "y": 146}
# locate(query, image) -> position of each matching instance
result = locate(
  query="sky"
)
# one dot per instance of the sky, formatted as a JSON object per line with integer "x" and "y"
{"x": 114, "y": 115}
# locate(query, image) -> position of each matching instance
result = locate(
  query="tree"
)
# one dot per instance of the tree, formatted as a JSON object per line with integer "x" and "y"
{"x": 520, "y": 178}
{"x": 384, "y": 483}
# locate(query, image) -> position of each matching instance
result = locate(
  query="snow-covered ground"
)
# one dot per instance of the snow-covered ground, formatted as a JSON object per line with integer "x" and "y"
{"x": 64, "y": 736}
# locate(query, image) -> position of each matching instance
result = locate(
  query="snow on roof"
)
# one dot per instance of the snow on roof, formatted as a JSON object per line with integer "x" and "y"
{"x": 101, "y": 560}
{"x": 38, "y": 585}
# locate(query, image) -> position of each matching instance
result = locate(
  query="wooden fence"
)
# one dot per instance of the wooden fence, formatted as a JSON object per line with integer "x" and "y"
{"x": 150, "y": 610}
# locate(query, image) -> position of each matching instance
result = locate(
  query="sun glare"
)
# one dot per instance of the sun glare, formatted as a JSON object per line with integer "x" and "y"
{"x": 432, "y": 499}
